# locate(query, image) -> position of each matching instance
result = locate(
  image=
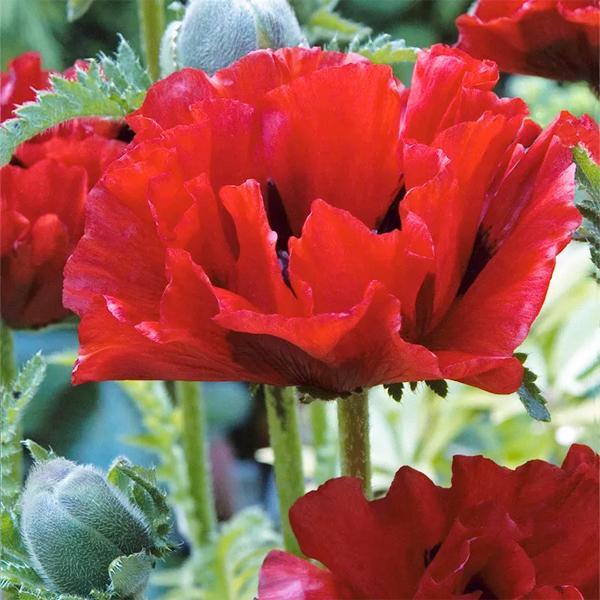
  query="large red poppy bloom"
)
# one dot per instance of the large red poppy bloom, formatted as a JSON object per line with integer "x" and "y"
{"x": 496, "y": 533}
{"x": 558, "y": 39}
{"x": 302, "y": 219}
{"x": 42, "y": 195}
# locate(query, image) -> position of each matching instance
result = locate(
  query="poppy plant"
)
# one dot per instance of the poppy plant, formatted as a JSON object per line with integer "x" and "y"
{"x": 558, "y": 39}
{"x": 301, "y": 218}
{"x": 42, "y": 197}
{"x": 495, "y": 533}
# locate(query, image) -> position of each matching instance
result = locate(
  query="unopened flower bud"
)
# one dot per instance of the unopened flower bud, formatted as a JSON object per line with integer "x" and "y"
{"x": 75, "y": 524}
{"x": 215, "y": 33}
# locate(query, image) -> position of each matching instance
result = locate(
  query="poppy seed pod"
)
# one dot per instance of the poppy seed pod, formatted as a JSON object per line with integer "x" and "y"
{"x": 75, "y": 524}
{"x": 215, "y": 33}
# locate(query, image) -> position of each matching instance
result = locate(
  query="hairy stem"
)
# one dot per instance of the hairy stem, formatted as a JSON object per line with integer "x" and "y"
{"x": 282, "y": 417}
{"x": 152, "y": 25}
{"x": 323, "y": 441}
{"x": 195, "y": 449}
{"x": 353, "y": 424}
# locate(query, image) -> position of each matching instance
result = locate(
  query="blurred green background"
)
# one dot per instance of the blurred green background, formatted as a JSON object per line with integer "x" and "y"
{"x": 91, "y": 423}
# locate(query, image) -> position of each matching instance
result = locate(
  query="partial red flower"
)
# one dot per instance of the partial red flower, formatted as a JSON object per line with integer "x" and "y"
{"x": 301, "y": 218}
{"x": 42, "y": 199}
{"x": 495, "y": 533}
{"x": 558, "y": 39}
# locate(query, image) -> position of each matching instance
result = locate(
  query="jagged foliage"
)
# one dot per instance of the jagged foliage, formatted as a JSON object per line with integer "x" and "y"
{"x": 228, "y": 568}
{"x": 530, "y": 395}
{"x": 588, "y": 178}
{"x": 109, "y": 87}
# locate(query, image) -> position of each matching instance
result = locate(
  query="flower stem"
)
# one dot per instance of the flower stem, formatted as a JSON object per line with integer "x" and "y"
{"x": 282, "y": 417}
{"x": 195, "y": 449}
{"x": 323, "y": 441}
{"x": 152, "y": 25}
{"x": 8, "y": 373}
{"x": 353, "y": 424}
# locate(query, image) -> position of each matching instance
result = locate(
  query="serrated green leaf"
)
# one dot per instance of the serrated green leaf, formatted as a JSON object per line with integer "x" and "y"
{"x": 325, "y": 23}
{"x": 38, "y": 453}
{"x": 14, "y": 399}
{"x": 530, "y": 395}
{"x": 385, "y": 50}
{"x": 439, "y": 386}
{"x": 77, "y": 8}
{"x": 129, "y": 574}
{"x": 109, "y": 88}
{"x": 588, "y": 178}
{"x": 394, "y": 390}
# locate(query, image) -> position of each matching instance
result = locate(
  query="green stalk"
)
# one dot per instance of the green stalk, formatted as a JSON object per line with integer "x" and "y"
{"x": 323, "y": 442}
{"x": 353, "y": 424}
{"x": 195, "y": 450}
{"x": 284, "y": 434}
{"x": 152, "y": 25}
{"x": 8, "y": 365}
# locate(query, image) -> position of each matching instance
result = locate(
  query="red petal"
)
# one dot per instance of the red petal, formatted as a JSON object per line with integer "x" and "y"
{"x": 381, "y": 554}
{"x": 496, "y": 312}
{"x": 287, "y": 577}
{"x": 169, "y": 100}
{"x": 254, "y": 75}
{"x": 310, "y": 155}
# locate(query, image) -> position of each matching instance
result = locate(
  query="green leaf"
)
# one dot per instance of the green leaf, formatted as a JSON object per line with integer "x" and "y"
{"x": 8, "y": 369}
{"x": 385, "y": 50}
{"x": 129, "y": 574}
{"x": 588, "y": 178}
{"x": 77, "y": 8}
{"x": 140, "y": 485}
{"x": 439, "y": 386}
{"x": 38, "y": 453}
{"x": 325, "y": 24}
{"x": 395, "y": 390}
{"x": 14, "y": 399}
{"x": 530, "y": 395}
{"x": 110, "y": 87}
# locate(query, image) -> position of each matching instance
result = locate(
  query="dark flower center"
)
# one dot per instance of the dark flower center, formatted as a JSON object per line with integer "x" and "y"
{"x": 477, "y": 584}
{"x": 480, "y": 256}
{"x": 391, "y": 219}
{"x": 430, "y": 554}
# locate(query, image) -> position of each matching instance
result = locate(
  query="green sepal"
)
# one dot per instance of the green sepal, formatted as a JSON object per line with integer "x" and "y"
{"x": 77, "y": 8}
{"x": 588, "y": 178}
{"x": 394, "y": 390}
{"x": 438, "y": 386}
{"x": 530, "y": 395}
{"x": 38, "y": 453}
{"x": 129, "y": 575}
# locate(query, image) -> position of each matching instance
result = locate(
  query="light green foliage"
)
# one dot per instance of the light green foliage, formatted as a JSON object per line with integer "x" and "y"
{"x": 75, "y": 524}
{"x": 77, "y": 8}
{"x": 385, "y": 50}
{"x": 15, "y": 396}
{"x": 530, "y": 395}
{"x": 325, "y": 24}
{"x": 110, "y": 87}
{"x": 228, "y": 568}
{"x": 139, "y": 485}
{"x": 588, "y": 178}
{"x": 546, "y": 98}
{"x": 129, "y": 575}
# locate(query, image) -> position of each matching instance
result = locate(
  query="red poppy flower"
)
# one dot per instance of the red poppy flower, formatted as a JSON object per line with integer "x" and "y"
{"x": 302, "y": 219}
{"x": 496, "y": 533}
{"x": 42, "y": 198}
{"x": 558, "y": 39}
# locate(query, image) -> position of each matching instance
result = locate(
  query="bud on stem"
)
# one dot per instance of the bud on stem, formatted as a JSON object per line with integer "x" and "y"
{"x": 75, "y": 523}
{"x": 216, "y": 33}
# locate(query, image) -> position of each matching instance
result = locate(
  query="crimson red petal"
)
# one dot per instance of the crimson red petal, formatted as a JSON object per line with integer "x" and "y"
{"x": 287, "y": 577}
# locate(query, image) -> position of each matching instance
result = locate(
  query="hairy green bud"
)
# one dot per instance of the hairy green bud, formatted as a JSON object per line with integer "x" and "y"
{"x": 215, "y": 33}
{"x": 75, "y": 524}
